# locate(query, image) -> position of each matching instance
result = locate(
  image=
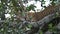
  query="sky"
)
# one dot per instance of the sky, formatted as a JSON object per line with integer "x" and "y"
{"x": 38, "y": 4}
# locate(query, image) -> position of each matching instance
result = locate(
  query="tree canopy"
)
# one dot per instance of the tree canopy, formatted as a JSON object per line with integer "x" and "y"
{"x": 17, "y": 10}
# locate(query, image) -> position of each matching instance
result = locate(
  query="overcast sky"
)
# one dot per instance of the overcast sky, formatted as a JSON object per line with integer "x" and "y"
{"x": 38, "y": 4}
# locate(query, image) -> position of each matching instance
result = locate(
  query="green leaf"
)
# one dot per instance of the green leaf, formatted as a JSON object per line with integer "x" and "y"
{"x": 31, "y": 7}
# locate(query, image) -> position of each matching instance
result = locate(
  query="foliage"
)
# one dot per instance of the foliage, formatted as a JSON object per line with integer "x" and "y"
{"x": 13, "y": 7}
{"x": 31, "y": 7}
{"x": 53, "y": 2}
